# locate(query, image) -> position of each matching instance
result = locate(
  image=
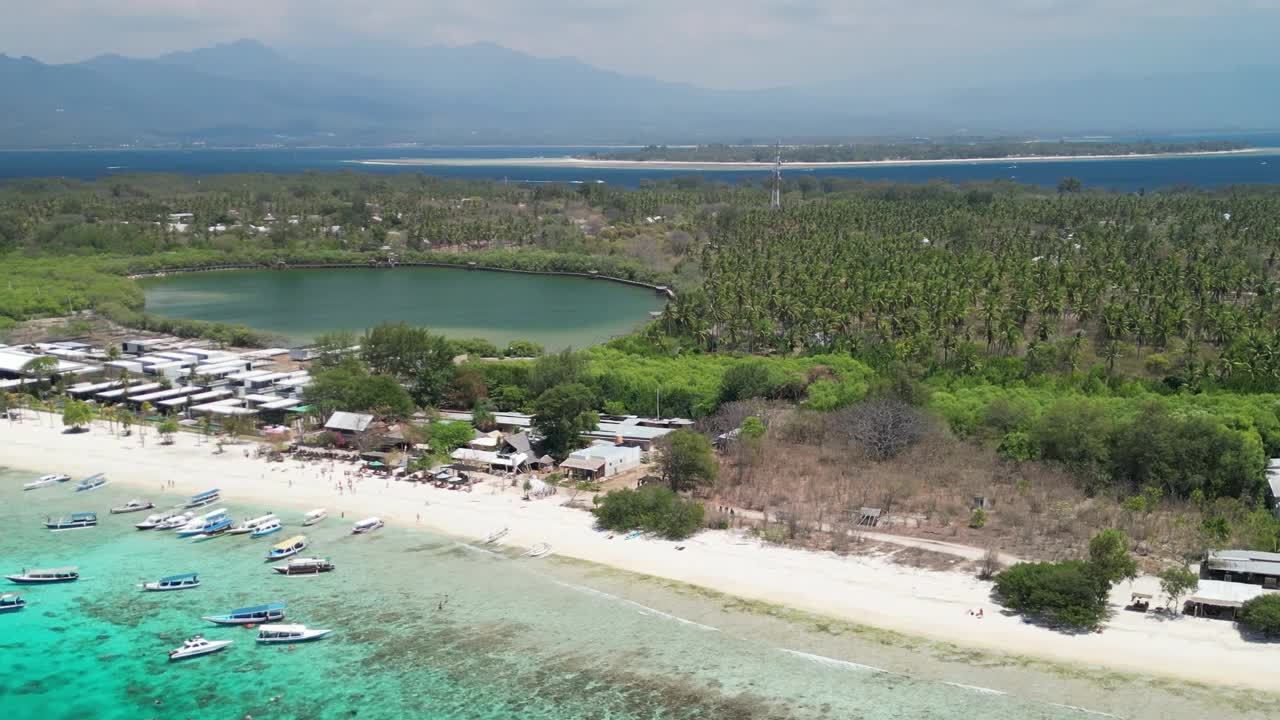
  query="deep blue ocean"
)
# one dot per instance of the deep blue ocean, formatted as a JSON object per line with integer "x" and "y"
{"x": 1125, "y": 174}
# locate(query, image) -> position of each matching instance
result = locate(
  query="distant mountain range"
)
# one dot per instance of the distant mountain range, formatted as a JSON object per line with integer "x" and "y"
{"x": 244, "y": 93}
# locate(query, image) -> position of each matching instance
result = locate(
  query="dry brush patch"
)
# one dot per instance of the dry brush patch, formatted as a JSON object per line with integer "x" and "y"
{"x": 808, "y": 487}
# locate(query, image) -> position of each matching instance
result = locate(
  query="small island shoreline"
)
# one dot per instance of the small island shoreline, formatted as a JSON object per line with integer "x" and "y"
{"x": 928, "y": 606}
{"x": 600, "y": 164}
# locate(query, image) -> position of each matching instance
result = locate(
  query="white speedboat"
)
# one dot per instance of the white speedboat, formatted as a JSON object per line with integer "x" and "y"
{"x": 173, "y": 582}
{"x": 305, "y": 566}
{"x": 274, "y": 634}
{"x": 314, "y": 516}
{"x": 11, "y": 602}
{"x": 45, "y": 481}
{"x": 267, "y": 528}
{"x": 249, "y": 526}
{"x": 538, "y": 551}
{"x": 288, "y": 548}
{"x": 132, "y": 506}
{"x": 367, "y": 525}
{"x": 173, "y": 522}
{"x": 197, "y": 646}
{"x": 154, "y": 521}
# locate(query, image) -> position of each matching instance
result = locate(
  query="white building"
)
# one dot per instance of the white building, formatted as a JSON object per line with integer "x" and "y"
{"x": 603, "y": 460}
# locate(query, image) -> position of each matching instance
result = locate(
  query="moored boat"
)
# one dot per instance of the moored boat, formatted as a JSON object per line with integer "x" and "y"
{"x": 93, "y": 482}
{"x": 272, "y": 612}
{"x": 305, "y": 566}
{"x": 288, "y": 548}
{"x": 45, "y": 576}
{"x": 218, "y": 529}
{"x": 495, "y": 535}
{"x": 197, "y": 646}
{"x": 154, "y": 521}
{"x": 173, "y": 522}
{"x": 173, "y": 582}
{"x": 249, "y": 526}
{"x": 133, "y": 506}
{"x": 367, "y": 525}
{"x": 11, "y": 602}
{"x": 207, "y": 497}
{"x": 538, "y": 551}
{"x": 204, "y": 523}
{"x": 314, "y": 516}
{"x": 267, "y": 528}
{"x": 45, "y": 481}
{"x": 275, "y": 634}
{"x": 74, "y": 521}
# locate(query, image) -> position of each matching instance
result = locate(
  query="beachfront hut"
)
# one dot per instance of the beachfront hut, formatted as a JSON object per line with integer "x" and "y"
{"x": 348, "y": 424}
{"x": 1221, "y": 599}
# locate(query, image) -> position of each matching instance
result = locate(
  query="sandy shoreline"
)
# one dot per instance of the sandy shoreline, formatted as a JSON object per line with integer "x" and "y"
{"x": 868, "y": 591}
{"x": 597, "y": 164}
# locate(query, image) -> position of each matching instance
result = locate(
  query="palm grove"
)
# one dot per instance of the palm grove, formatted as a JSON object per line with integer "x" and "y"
{"x": 1127, "y": 343}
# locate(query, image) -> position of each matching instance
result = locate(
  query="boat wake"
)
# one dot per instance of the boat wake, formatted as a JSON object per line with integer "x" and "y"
{"x": 975, "y": 688}
{"x": 642, "y": 609}
{"x": 481, "y": 550}
{"x": 832, "y": 662}
{"x": 1086, "y": 711}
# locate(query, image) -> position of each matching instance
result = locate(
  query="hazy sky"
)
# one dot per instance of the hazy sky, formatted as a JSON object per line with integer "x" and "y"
{"x": 717, "y": 43}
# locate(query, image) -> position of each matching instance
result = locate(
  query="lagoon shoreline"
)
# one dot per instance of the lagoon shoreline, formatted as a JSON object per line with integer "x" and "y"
{"x": 925, "y": 607}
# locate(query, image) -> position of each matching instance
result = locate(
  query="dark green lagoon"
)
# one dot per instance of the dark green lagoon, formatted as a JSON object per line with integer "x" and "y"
{"x": 555, "y": 311}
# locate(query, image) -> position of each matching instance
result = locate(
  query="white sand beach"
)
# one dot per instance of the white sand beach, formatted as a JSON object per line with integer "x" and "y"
{"x": 694, "y": 166}
{"x": 864, "y": 590}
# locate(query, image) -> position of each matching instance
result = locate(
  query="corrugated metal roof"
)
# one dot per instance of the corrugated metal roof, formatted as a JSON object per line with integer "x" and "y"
{"x": 348, "y": 421}
{"x": 1245, "y": 561}
{"x": 1226, "y": 594}
{"x": 588, "y": 464}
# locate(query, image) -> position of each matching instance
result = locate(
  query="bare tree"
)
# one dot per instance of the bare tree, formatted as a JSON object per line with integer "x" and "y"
{"x": 884, "y": 427}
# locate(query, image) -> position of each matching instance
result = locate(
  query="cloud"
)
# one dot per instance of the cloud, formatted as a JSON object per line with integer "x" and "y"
{"x": 725, "y": 43}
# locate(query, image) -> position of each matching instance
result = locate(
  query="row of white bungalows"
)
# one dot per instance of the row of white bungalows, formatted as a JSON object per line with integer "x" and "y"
{"x": 155, "y": 397}
{"x": 221, "y": 369}
{"x": 124, "y": 391}
{"x": 90, "y": 389}
{"x": 13, "y": 361}
{"x": 229, "y": 406}
{"x": 198, "y": 398}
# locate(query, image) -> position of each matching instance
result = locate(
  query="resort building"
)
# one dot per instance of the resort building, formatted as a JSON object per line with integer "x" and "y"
{"x": 13, "y": 360}
{"x": 602, "y": 460}
{"x": 348, "y": 424}
{"x": 1249, "y": 567}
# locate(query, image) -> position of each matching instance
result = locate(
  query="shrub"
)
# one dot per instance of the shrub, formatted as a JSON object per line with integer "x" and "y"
{"x": 978, "y": 518}
{"x": 653, "y": 508}
{"x": 1262, "y": 614}
{"x": 1070, "y": 593}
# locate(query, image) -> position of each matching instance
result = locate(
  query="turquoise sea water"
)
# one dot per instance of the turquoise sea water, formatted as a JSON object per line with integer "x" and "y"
{"x": 516, "y": 639}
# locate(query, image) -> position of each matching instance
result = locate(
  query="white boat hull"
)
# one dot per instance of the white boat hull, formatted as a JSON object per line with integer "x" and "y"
{"x": 213, "y": 646}
{"x": 304, "y": 637}
{"x": 157, "y": 587}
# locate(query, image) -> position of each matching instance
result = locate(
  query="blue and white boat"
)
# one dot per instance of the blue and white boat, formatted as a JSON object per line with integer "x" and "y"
{"x": 288, "y": 548}
{"x": 93, "y": 482}
{"x": 205, "y": 523}
{"x": 218, "y": 528}
{"x": 267, "y": 528}
{"x": 273, "y": 612}
{"x": 74, "y": 521}
{"x": 208, "y": 497}
{"x": 45, "y": 577}
{"x": 11, "y": 602}
{"x": 173, "y": 582}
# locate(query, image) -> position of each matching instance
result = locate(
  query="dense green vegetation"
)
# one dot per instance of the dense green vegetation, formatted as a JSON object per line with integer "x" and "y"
{"x": 652, "y": 508}
{"x": 922, "y": 150}
{"x": 1262, "y": 614}
{"x": 1132, "y": 339}
{"x": 1071, "y": 593}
